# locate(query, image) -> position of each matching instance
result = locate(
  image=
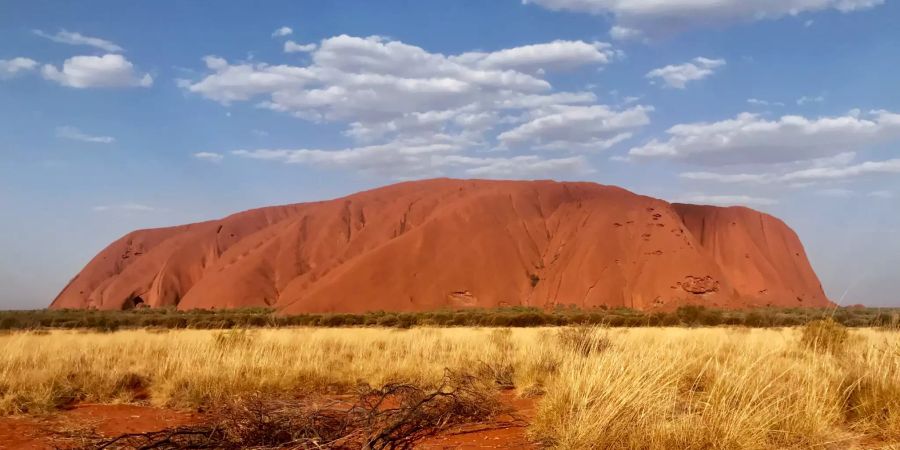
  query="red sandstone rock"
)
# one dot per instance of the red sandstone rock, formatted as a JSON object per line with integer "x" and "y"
{"x": 459, "y": 243}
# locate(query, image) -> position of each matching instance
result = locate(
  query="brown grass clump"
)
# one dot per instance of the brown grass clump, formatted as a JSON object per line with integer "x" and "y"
{"x": 585, "y": 340}
{"x": 236, "y": 338}
{"x": 825, "y": 335}
{"x": 873, "y": 396}
{"x": 499, "y": 361}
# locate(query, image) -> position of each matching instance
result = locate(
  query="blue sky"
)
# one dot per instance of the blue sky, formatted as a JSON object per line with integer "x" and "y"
{"x": 122, "y": 115}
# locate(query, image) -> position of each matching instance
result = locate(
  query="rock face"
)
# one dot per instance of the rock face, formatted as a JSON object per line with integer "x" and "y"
{"x": 458, "y": 243}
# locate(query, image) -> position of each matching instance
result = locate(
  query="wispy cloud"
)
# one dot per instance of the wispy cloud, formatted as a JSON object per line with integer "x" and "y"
{"x": 127, "y": 207}
{"x": 72, "y": 38}
{"x": 890, "y": 166}
{"x": 293, "y": 47}
{"x": 660, "y": 18}
{"x": 727, "y": 200}
{"x": 283, "y": 31}
{"x": 209, "y": 156}
{"x": 805, "y": 100}
{"x": 72, "y": 133}
{"x": 16, "y": 66}
{"x": 753, "y": 139}
{"x": 679, "y": 75}
{"x": 836, "y": 192}
{"x": 758, "y": 102}
{"x": 411, "y": 159}
{"x": 621, "y": 33}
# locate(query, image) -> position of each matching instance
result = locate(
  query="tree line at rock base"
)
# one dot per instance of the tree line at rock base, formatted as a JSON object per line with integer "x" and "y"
{"x": 501, "y": 317}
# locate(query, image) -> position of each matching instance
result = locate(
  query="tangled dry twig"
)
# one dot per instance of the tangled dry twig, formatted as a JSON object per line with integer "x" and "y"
{"x": 394, "y": 416}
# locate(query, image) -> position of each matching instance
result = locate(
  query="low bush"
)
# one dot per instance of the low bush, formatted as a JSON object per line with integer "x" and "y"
{"x": 693, "y": 316}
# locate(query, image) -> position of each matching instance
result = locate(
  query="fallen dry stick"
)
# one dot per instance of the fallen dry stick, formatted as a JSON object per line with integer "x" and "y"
{"x": 395, "y": 416}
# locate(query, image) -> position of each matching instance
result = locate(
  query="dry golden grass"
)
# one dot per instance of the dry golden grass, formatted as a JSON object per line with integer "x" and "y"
{"x": 599, "y": 388}
{"x": 718, "y": 388}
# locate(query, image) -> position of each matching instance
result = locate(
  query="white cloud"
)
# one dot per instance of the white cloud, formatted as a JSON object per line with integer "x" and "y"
{"x": 125, "y": 207}
{"x": 16, "y": 66}
{"x": 283, "y": 31}
{"x": 71, "y": 38}
{"x": 758, "y": 102}
{"x": 677, "y": 76}
{"x": 881, "y": 194}
{"x": 577, "y": 127}
{"x": 807, "y": 100}
{"x": 621, "y": 33}
{"x": 97, "y": 71}
{"x": 836, "y": 192}
{"x": 395, "y": 99}
{"x": 209, "y": 156}
{"x": 727, "y": 200}
{"x": 891, "y": 166}
{"x": 526, "y": 166}
{"x": 412, "y": 156}
{"x": 72, "y": 133}
{"x": 727, "y": 178}
{"x": 424, "y": 157}
{"x": 293, "y": 47}
{"x": 358, "y": 78}
{"x": 749, "y": 138}
{"x": 656, "y": 17}
{"x": 556, "y": 55}
{"x": 841, "y": 159}
{"x": 240, "y": 82}
{"x": 830, "y": 170}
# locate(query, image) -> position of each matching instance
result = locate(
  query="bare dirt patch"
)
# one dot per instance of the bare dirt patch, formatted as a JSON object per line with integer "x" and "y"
{"x": 72, "y": 428}
{"x": 507, "y": 430}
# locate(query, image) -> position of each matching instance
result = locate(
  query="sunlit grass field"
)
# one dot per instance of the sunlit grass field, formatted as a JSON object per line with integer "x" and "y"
{"x": 724, "y": 387}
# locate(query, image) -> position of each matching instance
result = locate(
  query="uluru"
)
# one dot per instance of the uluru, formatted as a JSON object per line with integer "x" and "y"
{"x": 449, "y": 243}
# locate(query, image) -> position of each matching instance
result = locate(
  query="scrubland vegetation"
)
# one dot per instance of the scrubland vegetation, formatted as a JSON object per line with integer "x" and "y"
{"x": 501, "y": 317}
{"x": 821, "y": 385}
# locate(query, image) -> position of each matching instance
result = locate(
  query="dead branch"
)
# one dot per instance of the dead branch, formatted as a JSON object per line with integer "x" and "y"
{"x": 395, "y": 416}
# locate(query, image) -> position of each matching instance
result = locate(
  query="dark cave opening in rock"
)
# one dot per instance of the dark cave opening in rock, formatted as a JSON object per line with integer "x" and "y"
{"x": 134, "y": 302}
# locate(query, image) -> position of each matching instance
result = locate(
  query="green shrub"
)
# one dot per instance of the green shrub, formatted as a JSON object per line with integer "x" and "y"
{"x": 388, "y": 320}
{"x": 9, "y": 323}
{"x": 518, "y": 316}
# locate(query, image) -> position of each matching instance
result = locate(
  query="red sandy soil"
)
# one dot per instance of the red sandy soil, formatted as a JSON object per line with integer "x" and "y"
{"x": 447, "y": 243}
{"x": 66, "y": 428}
{"x": 62, "y": 430}
{"x": 506, "y": 431}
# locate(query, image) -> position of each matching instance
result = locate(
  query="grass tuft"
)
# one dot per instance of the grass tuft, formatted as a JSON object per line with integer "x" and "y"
{"x": 825, "y": 335}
